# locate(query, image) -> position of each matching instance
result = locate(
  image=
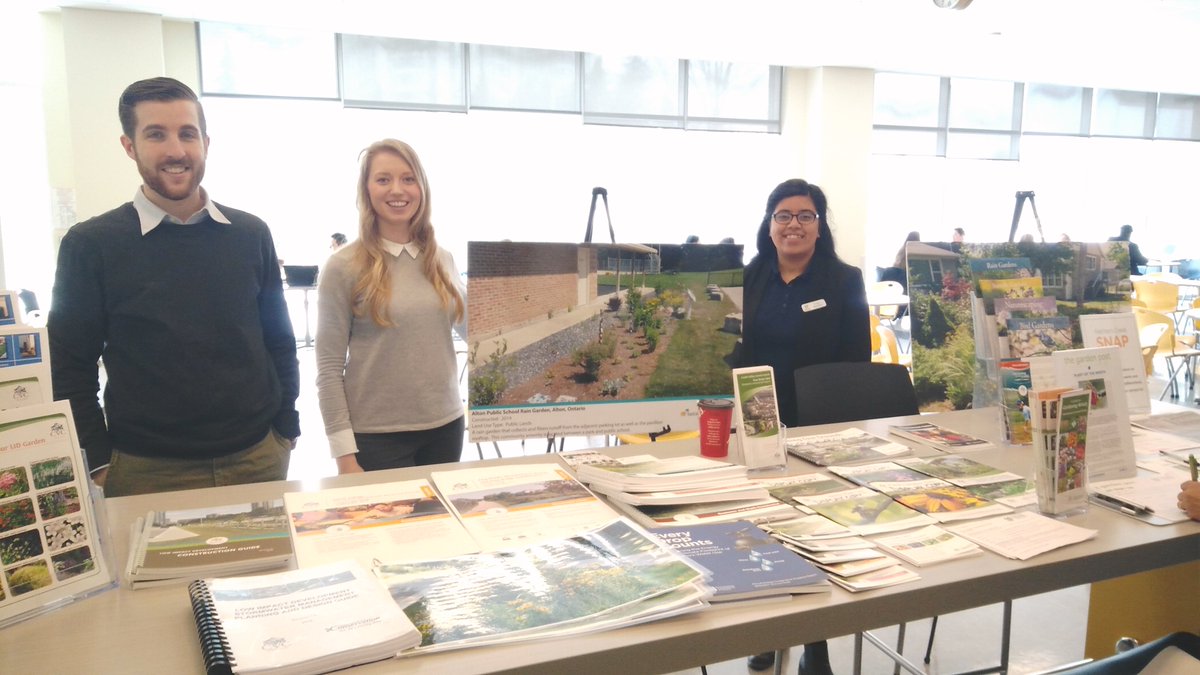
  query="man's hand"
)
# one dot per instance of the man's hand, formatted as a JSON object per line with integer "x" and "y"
{"x": 1189, "y": 498}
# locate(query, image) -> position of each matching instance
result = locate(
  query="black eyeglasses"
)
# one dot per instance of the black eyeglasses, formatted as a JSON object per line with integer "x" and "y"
{"x": 804, "y": 217}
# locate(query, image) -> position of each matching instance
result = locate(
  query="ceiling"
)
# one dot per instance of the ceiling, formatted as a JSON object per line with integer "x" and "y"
{"x": 1147, "y": 45}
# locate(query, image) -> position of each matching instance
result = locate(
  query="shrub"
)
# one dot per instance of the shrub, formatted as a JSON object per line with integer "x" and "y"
{"x": 489, "y": 382}
{"x": 651, "y": 338}
{"x": 612, "y": 387}
{"x": 614, "y": 303}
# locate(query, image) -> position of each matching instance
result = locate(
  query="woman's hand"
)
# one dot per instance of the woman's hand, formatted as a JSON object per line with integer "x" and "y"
{"x": 349, "y": 464}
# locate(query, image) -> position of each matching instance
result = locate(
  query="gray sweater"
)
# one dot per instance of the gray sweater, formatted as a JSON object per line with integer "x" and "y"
{"x": 374, "y": 379}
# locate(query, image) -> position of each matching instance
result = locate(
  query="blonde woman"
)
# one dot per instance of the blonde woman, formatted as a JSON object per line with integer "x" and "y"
{"x": 386, "y": 367}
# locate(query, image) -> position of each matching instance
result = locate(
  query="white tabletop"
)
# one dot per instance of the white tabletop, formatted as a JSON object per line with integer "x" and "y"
{"x": 152, "y": 630}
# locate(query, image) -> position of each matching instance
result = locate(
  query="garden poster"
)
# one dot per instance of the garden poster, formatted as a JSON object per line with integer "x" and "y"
{"x": 960, "y": 294}
{"x": 49, "y": 537}
{"x": 596, "y": 339}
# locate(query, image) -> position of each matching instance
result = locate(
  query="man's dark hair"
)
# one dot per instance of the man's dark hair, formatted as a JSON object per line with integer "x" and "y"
{"x": 162, "y": 89}
{"x": 1126, "y": 230}
{"x": 338, "y": 238}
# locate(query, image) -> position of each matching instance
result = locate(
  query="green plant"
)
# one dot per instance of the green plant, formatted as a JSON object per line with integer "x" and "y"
{"x": 612, "y": 387}
{"x": 652, "y": 336}
{"x": 488, "y": 382}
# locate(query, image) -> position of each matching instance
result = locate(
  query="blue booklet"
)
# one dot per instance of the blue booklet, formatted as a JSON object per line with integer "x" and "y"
{"x": 745, "y": 561}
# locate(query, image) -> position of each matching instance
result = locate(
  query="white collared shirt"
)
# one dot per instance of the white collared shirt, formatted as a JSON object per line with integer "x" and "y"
{"x": 396, "y": 249}
{"x": 150, "y": 214}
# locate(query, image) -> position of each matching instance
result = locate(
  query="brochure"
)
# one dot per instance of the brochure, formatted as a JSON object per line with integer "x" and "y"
{"x": 756, "y": 416}
{"x": 866, "y": 511}
{"x": 52, "y": 542}
{"x": 941, "y": 438}
{"x": 518, "y": 504}
{"x": 396, "y": 521}
{"x": 928, "y": 545}
{"x": 1121, "y": 331}
{"x": 1015, "y": 384}
{"x": 840, "y": 447}
{"x": 1098, "y": 371}
{"x": 1021, "y": 535}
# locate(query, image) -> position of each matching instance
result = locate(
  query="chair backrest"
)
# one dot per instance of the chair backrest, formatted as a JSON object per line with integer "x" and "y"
{"x": 876, "y": 341}
{"x": 843, "y": 392}
{"x": 1160, "y": 296}
{"x": 883, "y": 289}
{"x": 889, "y": 347}
{"x": 1155, "y": 328}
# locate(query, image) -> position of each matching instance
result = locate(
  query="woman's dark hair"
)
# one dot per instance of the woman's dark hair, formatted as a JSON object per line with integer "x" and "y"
{"x": 797, "y": 187}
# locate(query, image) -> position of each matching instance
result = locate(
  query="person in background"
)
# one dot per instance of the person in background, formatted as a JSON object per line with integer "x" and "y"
{"x": 802, "y": 306}
{"x": 183, "y": 300}
{"x": 1136, "y": 259}
{"x": 386, "y": 366}
{"x": 336, "y": 241}
{"x": 956, "y": 241}
{"x": 898, "y": 272}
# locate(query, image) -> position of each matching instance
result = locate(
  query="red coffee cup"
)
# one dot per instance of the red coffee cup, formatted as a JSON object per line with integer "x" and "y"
{"x": 716, "y": 415}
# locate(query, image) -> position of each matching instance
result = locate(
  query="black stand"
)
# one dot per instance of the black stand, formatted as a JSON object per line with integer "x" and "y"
{"x": 587, "y": 236}
{"x": 1021, "y": 197}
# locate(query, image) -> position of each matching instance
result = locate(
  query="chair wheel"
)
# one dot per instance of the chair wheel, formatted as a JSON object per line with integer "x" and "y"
{"x": 1125, "y": 644}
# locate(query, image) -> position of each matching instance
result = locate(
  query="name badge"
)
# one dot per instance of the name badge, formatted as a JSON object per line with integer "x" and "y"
{"x": 814, "y": 305}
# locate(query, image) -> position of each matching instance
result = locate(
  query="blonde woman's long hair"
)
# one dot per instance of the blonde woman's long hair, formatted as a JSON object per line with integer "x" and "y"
{"x": 373, "y": 289}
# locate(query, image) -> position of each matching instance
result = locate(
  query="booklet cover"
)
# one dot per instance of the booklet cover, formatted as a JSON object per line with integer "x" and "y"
{"x": 185, "y": 544}
{"x": 1023, "y": 308}
{"x": 1121, "y": 331}
{"x": 1038, "y": 337}
{"x": 311, "y": 620}
{"x": 928, "y": 545}
{"x": 745, "y": 561}
{"x": 840, "y": 447}
{"x": 941, "y": 500}
{"x": 959, "y": 470}
{"x": 992, "y": 289}
{"x": 753, "y": 510}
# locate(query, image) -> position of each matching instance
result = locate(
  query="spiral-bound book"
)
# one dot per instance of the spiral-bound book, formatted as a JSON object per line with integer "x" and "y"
{"x": 312, "y": 620}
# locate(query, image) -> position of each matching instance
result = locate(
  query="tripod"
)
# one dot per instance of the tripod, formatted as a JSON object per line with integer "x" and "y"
{"x": 1021, "y": 197}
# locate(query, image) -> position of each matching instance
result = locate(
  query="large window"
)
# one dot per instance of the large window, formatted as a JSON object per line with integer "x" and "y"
{"x": 408, "y": 74}
{"x": 366, "y": 71}
{"x": 258, "y": 61}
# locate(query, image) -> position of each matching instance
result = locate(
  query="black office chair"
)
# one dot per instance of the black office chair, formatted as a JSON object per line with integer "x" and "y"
{"x": 1137, "y": 658}
{"x": 844, "y": 392}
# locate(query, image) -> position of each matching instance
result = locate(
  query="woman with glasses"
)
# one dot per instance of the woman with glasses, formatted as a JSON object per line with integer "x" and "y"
{"x": 801, "y": 305}
{"x": 386, "y": 366}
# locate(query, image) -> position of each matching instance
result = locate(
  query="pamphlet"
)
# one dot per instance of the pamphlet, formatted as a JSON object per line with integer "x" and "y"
{"x": 1121, "y": 331}
{"x": 840, "y": 447}
{"x": 1098, "y": 370}
{"x": 51, "y": 535}
{"x": 397, "y": 521}
{"x": 756, "y": 415}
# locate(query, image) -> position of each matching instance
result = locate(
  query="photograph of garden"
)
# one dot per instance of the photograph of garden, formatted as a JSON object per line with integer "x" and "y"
{"x": 950, "y": 362}
{"x": 655, "y": 326}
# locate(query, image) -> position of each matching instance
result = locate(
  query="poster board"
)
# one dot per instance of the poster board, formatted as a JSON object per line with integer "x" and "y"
{"x": 594, "y": 339}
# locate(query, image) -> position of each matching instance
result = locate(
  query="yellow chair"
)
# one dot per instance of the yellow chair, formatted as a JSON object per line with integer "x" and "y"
{"x": 889, "y": 350}
{"x": 876, "y": 341}
{"x": 883, "y": 289}
{"x": 1149, "y": 340}
{"x": 1181, "y": 348}
{"x": 1159, "y": 296}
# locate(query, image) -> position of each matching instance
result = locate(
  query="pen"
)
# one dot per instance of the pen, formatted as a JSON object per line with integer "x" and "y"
{"x": 1192, "y": 467}
{"x": 1128, "y": 507}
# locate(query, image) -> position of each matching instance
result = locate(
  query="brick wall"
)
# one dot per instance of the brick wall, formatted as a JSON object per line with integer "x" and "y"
{"x": 512, "y": 284}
